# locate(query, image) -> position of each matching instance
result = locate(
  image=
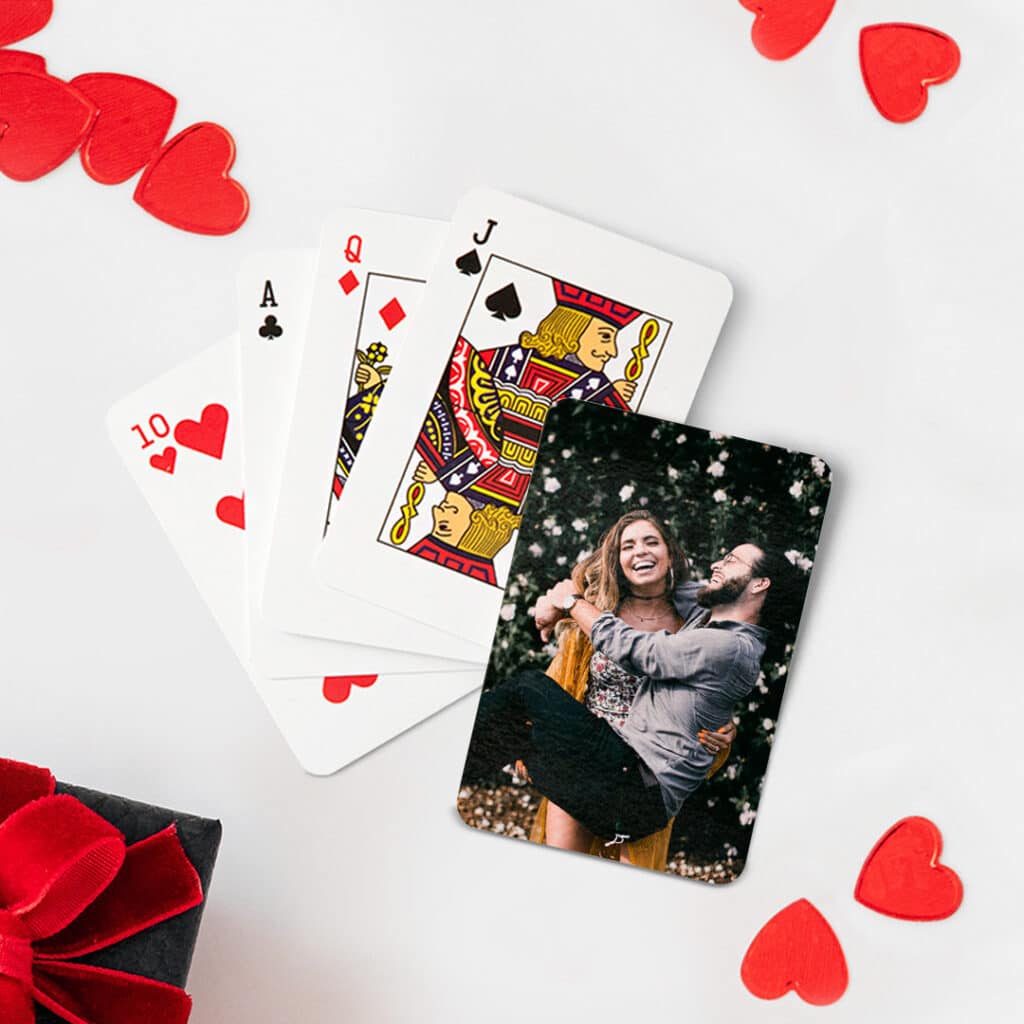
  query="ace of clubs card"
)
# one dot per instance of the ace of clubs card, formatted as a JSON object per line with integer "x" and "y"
{"x": 274, "y": 293}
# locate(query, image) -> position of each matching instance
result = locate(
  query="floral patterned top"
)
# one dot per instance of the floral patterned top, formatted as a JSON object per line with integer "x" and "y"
{"x": 610, "y": 690}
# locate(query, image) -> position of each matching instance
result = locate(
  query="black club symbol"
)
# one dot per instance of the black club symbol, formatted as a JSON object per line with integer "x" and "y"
{"x": 271, "y": 329}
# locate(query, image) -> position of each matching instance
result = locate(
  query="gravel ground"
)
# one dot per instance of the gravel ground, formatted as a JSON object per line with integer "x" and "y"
{"x": 509, "y": 810}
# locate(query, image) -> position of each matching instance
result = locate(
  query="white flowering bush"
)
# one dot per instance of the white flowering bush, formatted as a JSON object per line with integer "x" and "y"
{"x": 715, "y": 491}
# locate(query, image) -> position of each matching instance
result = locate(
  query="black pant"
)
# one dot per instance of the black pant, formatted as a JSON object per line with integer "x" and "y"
{"x": 577, "y": 760}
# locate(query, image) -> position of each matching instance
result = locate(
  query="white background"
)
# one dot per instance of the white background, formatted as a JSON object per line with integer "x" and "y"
{"x": 877, "y": 321}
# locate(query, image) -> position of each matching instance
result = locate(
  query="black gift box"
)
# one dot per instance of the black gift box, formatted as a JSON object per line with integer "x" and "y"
{"x": 163, "y": 952}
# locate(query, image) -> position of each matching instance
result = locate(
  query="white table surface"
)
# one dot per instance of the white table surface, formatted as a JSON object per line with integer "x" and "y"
{"x": 877, "y": 321}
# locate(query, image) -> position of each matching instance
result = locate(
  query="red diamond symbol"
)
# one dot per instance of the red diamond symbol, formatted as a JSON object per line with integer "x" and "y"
{"x": 348, "y": 283}
{"x": 392, "y": 314}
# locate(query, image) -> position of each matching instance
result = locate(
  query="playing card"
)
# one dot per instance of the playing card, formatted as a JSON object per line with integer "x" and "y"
{"x": 526, "y": 307}
{"x": 274, "y": 292}
{"x": 180, "y": 439}
{"x": 647, "y": 716}
{"x": 370, "y": 275}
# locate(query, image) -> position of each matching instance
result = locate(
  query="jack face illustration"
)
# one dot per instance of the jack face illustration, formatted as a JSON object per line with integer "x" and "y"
{"x": 478, "y": 442}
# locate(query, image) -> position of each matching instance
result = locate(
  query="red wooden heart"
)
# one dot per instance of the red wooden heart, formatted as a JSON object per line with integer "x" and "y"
{"x": 21, "y": 18}
{"x": 133, "y": 119}
{"x": 187, "y": 184}
{"x": 899, "y": 62}
{"x": 166, "y": 460}
{"x": 231, "y": 510}
{"x": 337, "y": 688}
{"x": 796, "y": 950}
{"x": 783, "y": 28}
{"x": 19, "y": 60}
{"x": 902, "y": 876}
{"x": 42, "y": 122}
{"x": 206, "y": 434}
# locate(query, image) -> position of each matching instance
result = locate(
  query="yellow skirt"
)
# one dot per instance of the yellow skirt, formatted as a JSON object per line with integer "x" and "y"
{"x": 649, "y": 852}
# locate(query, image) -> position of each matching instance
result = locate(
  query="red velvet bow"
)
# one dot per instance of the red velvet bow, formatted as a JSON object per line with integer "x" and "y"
{"x": 69, "y": 886}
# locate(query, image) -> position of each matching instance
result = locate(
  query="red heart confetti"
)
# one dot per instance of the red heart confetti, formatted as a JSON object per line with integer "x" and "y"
{"x": 19, "y": 60}
{"x": 187, "y": 184}
{"x": 336, "y": 689}
{"x": 796, "y": 951}
{"x": 207, "y": 434}
{"x": 42, "y": 122}
{"x": 166, "y": 460}
{"x": 899, "y": 63}
{"x": 134, "y": 116}
{"x": 231, "y": 510}
{"x": 902, "y": 876}
{"x": 783, "y": 28}
{"x": 21, "y": 18}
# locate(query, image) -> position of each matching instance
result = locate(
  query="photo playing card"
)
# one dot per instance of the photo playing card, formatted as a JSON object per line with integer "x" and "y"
{"x": 644, "y": 642}
{"x": 179, "y": 437}
{"x": 274, "y": 291}
{"x": 371, "y": 272}
{"x": 525, "y": 308}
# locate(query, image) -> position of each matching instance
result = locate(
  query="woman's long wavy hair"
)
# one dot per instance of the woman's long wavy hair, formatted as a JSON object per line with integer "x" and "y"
{"x": 599, "y": 577}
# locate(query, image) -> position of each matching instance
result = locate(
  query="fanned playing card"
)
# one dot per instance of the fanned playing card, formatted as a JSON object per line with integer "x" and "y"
{"x": 526, "y": 308}
{"x": 180, "y": 438}
{"x": 274, "y": 291}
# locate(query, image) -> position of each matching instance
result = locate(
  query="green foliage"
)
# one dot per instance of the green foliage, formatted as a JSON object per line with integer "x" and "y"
{"x": 714, "y": 491}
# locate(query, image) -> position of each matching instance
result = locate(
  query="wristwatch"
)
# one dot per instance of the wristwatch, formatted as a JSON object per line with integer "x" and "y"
{"x": 570, "y": 601}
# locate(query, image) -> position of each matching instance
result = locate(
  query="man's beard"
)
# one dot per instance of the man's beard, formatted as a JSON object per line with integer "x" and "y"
{"x": 724, "y": 593}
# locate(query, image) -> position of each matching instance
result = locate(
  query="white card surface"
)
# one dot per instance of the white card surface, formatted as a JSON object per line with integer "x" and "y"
{"x": 274, "y": 293}
{"x": 525, "y": 307}
{"x": 369, "y": 279}
{"x": 180, "y": 439}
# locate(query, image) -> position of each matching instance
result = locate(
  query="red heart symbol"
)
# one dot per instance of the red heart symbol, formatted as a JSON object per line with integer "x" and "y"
{"x": 231, "y": 510}
{"x": 21, "y": 18}
{"x": 42, "y": 122}
{"x": 133, "y": 119}
{"x": 902, "y": 876}
{"x": 187, "y": 184}
{"x": 796, "y": 950}
{"x": 337, "y": 688}
{"x": 783, "y": 28}
{"x": 899, "y": 62}
{"x": 165, "y": 460}
{"x": 18, "y": 60}
{"x": 207, "y": 434}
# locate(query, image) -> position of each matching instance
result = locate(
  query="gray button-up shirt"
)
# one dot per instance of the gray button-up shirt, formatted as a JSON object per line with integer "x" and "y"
{"x": 694, "y": 678}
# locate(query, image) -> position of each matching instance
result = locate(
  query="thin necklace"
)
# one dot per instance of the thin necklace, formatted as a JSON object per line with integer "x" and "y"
{"x": 653, "y": 618}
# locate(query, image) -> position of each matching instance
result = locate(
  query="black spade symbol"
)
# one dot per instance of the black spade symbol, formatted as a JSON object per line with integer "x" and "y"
{"x": 271, "y": 329}
{"x": 468, "y": 263}
{"x": 504, "y": 303}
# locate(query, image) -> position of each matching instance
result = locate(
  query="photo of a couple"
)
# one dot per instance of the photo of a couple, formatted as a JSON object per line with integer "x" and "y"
{"x": 631, "y": 697}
